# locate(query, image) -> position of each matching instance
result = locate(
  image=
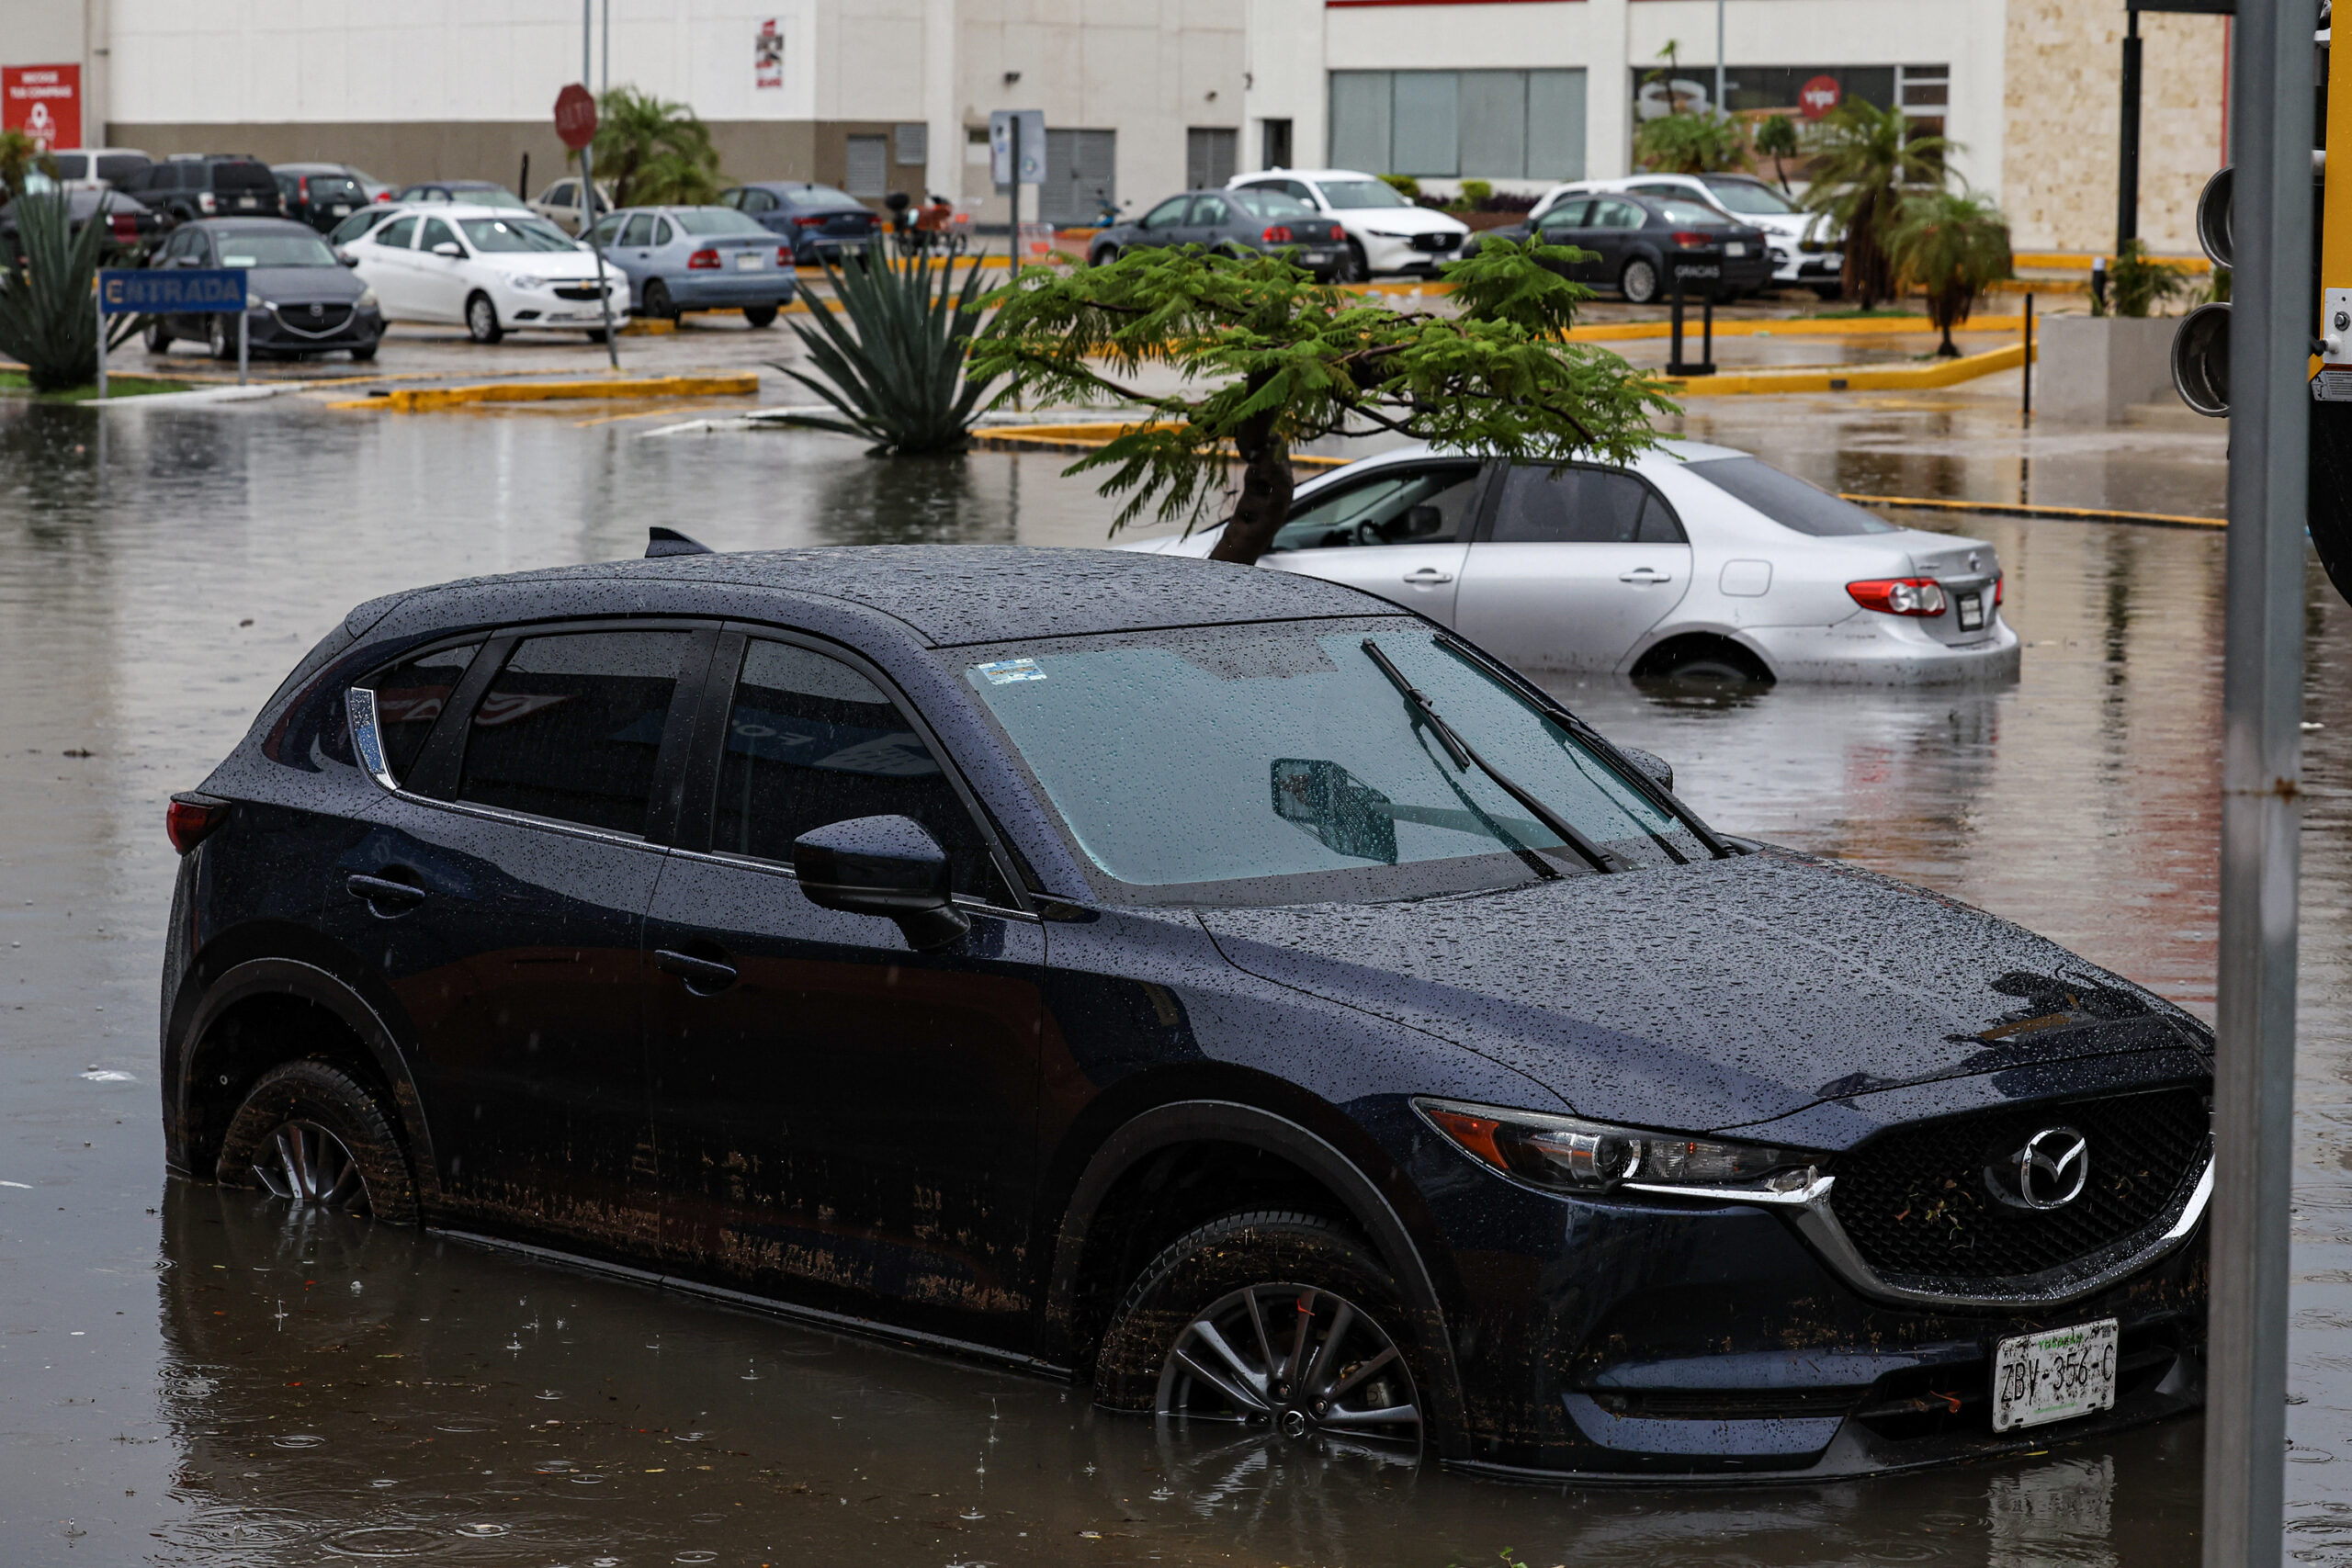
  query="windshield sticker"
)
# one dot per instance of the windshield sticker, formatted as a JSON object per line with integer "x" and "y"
{"x": 1004, "y": 671}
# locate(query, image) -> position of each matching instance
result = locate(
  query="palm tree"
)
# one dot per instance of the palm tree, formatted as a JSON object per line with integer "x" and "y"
{"x": 1865, "y": 163}
{"x": 1776, "y": 138}
{"x": 1952, "y": 247}
{"x": 655, "y": 152}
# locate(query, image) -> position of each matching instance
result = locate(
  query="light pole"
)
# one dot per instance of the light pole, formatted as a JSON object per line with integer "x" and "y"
{"x": 1721, "y": 107}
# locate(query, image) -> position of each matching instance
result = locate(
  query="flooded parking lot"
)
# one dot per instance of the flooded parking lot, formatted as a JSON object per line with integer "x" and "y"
{"x": 185, "y": 1378}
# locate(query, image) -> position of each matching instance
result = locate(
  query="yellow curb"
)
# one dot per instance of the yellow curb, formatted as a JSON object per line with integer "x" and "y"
{"x": 1792, "y": 326}
{"x": 414, "y": 399}
{"x": 648, "y": 326}
{"x": 2076, "y": 514}
{"x": 1852, "y": 378}
{"x": 2081, "y": 261}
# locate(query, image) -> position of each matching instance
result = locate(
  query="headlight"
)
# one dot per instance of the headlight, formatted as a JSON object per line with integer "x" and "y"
{"x": 1567, "y": 1155}
{"x": 526, "y": 280}
{"x": 1385, "y": 234}
{"x": 367, "y": 300}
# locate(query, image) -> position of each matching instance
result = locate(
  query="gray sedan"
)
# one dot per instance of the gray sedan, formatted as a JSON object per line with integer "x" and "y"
{"x": 1234, "y": 221}
{"x": 697, "y": 258}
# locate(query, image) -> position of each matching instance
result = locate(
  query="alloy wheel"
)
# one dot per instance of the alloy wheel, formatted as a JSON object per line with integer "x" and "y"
{"x": 310, "y": 1167}
{"x": 481, "y": 320}
{"x": 1639, "y": 284}
{"x": 1296, "y": 1360}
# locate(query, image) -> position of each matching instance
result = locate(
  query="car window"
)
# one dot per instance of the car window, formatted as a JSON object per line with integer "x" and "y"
{"x": 242, "y": 176}
{"x": 640, "y": 231}
{"x": 1748, "y": 197}
{"x": 572, "y": 727}
{"x": 333, "y": 187}
{"x": 563, "y": 193}
{"x": 715, "y": 220}
{"x": 1271, "y": 203}
{"x": 436, "y": 233}
{"x": 71, "y": 165}
{"x": 663, "y": 233}
{"x": 759, "y": 201}
{"x": 1346, "y": 195}
{"x": 1569, "y": 214}
{"x": 1299, "y": 189}
{"x": 1407, "y": 506}
{"x": 1209, "y": 210}
{"x": 602, "y": 234}
{"x": 410, "y": 696}
{"x": 809, "y": 742}
{"x": 824, "y": 196}
{"x": 1574, "y": 505}
{"x": 1616, "y": 215}
{"x": 1786, "y": 499}
{"x": 1689, "y": 213}
{"x": 516, "y": 233}
{"x": 274, "y": 250}
{"x": 1168, "y": 214}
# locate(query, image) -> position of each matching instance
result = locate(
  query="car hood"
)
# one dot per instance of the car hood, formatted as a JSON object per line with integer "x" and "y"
{"x": 571, "y": 265}
{"x": 1713, "y": 995}
{"x": 301, "y": 285}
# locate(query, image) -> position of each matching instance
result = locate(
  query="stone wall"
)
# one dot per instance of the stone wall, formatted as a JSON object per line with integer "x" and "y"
{"x": 2063, "y": 66}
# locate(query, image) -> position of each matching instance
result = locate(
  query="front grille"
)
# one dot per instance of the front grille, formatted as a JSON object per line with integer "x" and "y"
{"x": 314, "y": 321}
{"x": 578, "y": 292}
{"x": 1914, "y": 1201}
{"x": 1440, "y": 242}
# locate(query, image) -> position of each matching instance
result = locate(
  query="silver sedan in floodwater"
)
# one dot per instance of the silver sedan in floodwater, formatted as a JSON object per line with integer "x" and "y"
{"x": 1693, "y": 560}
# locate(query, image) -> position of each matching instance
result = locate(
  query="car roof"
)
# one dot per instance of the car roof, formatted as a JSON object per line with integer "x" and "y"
{"x": 786, "y": 187}
{"x": 255, "y": 226}
{"x": 1668, "y": 452}
{"x": 1261, "y": 174}
{"x": 464, "y": 210}
{"x": 948, "y": 595}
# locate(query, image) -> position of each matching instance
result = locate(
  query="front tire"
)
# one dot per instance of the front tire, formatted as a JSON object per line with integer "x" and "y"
{"x": 364, "y": 353}
{"x": 309, "y": 1135}
{"x": 1103, "y": 255}
{"x": 1356, "y": 268}
{"x": 1281, "y": 1322}
{"x": 482, "y": 318}
{"x": 1638, "y": 282}
{"x": 159, "y": 339}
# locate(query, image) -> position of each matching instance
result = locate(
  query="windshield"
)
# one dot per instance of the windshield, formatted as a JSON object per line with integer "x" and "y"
{"x": 358, "y": 223}
{"x": 1746, "y": 195}
{"x": 1188, "y": 762}
{"x": 702, "y": 221}
{"x": 516, "y": 234}
{"x": 1272, "y": 203}
{"x": 274, "y": 250}
{"x": 1786, "y": 499}
{"x": 1346, "y": 194}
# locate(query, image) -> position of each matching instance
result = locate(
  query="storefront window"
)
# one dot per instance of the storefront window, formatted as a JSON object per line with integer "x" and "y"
{"x": 1490, "y": 125}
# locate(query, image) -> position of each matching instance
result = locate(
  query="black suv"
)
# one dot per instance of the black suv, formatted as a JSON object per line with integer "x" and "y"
{"x": 210, "y": 187}
{"x": 321, "y": 195}
{"x": 1222, "y": 987}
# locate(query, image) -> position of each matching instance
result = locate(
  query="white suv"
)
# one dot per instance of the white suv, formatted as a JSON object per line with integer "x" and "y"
{"x": 1804, "y": 255}
{"x": 1387, "y": 232}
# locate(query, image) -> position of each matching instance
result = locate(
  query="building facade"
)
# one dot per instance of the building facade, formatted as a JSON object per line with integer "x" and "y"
{"x": 1145, "y": 96}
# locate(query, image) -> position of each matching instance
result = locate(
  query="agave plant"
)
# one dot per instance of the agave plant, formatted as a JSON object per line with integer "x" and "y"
{"x": 898, "y": 378}
{"x": 47, "y": 318}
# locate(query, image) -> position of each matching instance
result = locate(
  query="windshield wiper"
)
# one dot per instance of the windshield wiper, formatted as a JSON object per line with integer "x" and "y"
{"x": 1464, "y": 758}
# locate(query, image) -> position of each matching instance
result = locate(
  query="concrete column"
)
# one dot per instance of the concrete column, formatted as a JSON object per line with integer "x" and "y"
{"x": 1609, "y": 110}
{"x": 944, "y": 170}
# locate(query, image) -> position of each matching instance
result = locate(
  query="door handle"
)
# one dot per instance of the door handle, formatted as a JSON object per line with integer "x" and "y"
{"x": 704, "y": 976}
{"x": 1427, "y": 577}
{"x": 1645, "y": 574}
{"x": 383, "y": 894}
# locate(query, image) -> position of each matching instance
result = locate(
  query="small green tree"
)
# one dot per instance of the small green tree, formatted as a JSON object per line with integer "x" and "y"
{"x": 655, "y": 152}
{"x": 2136, "y": 285}
{"x": 897, "y": 370}
{"x": 48, "y": 310}
{"x": 1866, "y": 163}
{"x": 1692, "y": 144}
{"x": 1953, "y": 248}
{"x": 1776, "y": 138}
{"x": 1267, "y": 359}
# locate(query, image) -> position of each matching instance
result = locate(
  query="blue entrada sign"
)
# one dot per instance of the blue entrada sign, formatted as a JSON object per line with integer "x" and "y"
{"x": 178, "y": 291}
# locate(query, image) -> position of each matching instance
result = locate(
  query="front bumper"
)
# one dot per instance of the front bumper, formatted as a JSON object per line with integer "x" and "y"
{"x": 1807, "y": 267}
{"x": 710, "y": 290}
{"x": 552, "y": 307}
{"x": 1383, "y": 254}
{"x": 285, "y": 328}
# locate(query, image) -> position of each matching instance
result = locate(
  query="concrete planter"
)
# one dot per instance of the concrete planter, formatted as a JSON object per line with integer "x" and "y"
{"x": 2091, "y": 368}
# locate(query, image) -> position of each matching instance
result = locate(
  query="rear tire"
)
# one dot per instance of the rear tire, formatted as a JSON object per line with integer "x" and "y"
{"x": 482, "y": 318}
{"x": 1355, "y": 268}
{"x": 1103, "y": 255}
{"x": 159, "y": 340}
{"x": 657, "y": 304}
{"x": 312, "y": 1136}
{"x": 760, "y": 315}
{"x": 1638, "y": 282}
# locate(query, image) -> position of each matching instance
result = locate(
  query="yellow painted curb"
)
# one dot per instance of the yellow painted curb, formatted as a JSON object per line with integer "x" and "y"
{"x": 416, "y": 399}
{"x": 2080, "y": 261}
{"x": 648, "y": 326}
{"x": 2071, "y": 514}
{"x": 1853, "y": 378}
{"x": 1792, "y": 326}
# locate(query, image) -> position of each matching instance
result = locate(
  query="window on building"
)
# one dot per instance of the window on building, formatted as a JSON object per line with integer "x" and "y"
{"x": 1211, "y": 155}
{"x": 868, "y": 164}
{"x": 1274, "y": 144}
{"x": 910, "y": 142}
{"x": 1465, "y": 124}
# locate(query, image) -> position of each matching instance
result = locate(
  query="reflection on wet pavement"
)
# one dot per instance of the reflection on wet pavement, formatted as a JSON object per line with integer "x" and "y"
{"x": 187, "y": 1378}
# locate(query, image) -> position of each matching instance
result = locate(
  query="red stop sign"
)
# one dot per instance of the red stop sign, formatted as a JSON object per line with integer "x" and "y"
{"x": 575, "y": 117}
{"x": 1819, "y": 96}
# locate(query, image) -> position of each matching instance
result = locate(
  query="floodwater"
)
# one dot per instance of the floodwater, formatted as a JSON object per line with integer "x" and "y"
{"x": 187, "y": 1378}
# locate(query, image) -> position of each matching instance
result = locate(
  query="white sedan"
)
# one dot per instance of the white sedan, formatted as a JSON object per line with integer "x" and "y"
{"x": 1695, "y": 560}
{"x": 1386, "y": 233}
{"x": 493, "y": 269}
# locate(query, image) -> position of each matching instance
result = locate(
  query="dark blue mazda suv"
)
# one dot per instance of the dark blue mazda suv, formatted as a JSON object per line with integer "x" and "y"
{"x": 1219, "y": 987}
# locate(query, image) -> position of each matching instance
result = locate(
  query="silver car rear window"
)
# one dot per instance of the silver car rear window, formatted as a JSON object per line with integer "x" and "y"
{"x": 1786, "y": 499}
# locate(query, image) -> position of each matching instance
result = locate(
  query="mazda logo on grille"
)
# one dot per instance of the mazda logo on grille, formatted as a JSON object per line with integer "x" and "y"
{"x": 316, "y": 310}
{"x": 2048, "y": 1172}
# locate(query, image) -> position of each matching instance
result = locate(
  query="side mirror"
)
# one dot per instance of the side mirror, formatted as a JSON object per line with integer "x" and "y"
{"x": 1652, "y": 766}
{"x": 345, "y": 257}
{"x": 882, "y": 865}
{"x": 451, "y": 249}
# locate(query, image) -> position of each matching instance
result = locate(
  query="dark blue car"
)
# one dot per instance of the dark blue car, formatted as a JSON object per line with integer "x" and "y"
{"x": 821, "y": 222}
{"x": 1219, "y": 987}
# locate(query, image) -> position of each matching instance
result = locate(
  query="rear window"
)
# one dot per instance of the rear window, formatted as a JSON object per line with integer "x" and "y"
{"x": 410, "y": 696}
{"x": 333, "y": 187}
{"x": 1786, "y": 499}
{"x": 700, "y": 220}
{"x": 1273, "y": 204}
{"x": 242, "y": 176}
{"x": 823, "y": 196}
{"x": 1688, "y": 212}
{"x": 572, "y": 727}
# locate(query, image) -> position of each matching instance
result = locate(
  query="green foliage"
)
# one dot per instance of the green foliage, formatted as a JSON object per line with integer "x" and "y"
{"x": 900, "y": 380}
{"x": 653, "y": 152}
{"x": 2136, "y": 285}
{"x": 1266, "y": 360}
{"x": 19, "y": 154}
{"x": 48, "y": 304}
{"x": 1475, "y": 191}
{"x": 1692, "y": 144}
{"x": 1953, "y": 248}
{"x": 1866, "y": 163}
{"x": 1405, "y": 186}
{"x": 2216, "y": 291}
{"x": 1776, "y": 138}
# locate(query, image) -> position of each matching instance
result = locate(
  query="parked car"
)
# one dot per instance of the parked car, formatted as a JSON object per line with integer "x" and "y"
{"x": 186, "y": 188}
{"x": 1640, "y": 244}
{"x": 492, "y": 268}
{"x": 1386, "y": 233}
{"x": 94, "y": 168}
{"x": 477, "y": 193}
{"x": 1406, "y": 1068}
{"x": 1694, "y": 560}
{"x": 299, "y": 299}
{"x": 821, "y": 222}
{"x": 321, "y": 195}
{"x": 559, "y": 203}
{"x": 1802, "y": 251}
{"x": 1234, "y": 220}
{"x": 130, "y": 223}
{"x": 365, "y": 221}
{"x": 697, "y": 258}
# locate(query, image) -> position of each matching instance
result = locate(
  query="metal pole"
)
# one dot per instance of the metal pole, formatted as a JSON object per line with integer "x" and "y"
{"x": 1014, "y": 251}
{"x": 2029, "y": 356}
{"x": 588, "y": 171}
{"x": 243, "y": 316}
{"x": 1721, "y": 107}
{"x": 605, "y": 81}
{"x": 99, "y": 298}
{"x": 2127, "y": 163}
{"x": 2245, "y": 1419}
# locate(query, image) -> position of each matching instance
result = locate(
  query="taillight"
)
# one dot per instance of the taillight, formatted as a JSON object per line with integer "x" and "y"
{"x": 125, "y": 226}
{"x": 1900, "y": 595}
{"x": 303, "y": 187}
{"x": 1692, "y": 239}
{"x": 1998, "y": 578}
{"x": 1278, "y": 235}
{"x": 815, "y": 220}
{"x": 703, "y": 260}
{"x": 784, "y": 255}
{"x": 190, "y": 820}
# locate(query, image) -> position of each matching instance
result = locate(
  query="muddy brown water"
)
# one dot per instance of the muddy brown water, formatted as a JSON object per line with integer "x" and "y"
{"x": 187, "y": 1378}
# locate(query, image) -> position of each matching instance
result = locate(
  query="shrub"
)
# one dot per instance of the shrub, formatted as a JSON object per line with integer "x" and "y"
{"x": 47, "y": 309}
{"x": 2136, "y": 285}
{"x": 1691, "y": 144}
{"x": 1477, "y": 193}
{"x": 899, "y": 379}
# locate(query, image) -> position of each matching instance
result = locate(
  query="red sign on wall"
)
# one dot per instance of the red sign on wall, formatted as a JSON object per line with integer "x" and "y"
{"x": 1819, "y": 96}
{"x": 42, "y": 101}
